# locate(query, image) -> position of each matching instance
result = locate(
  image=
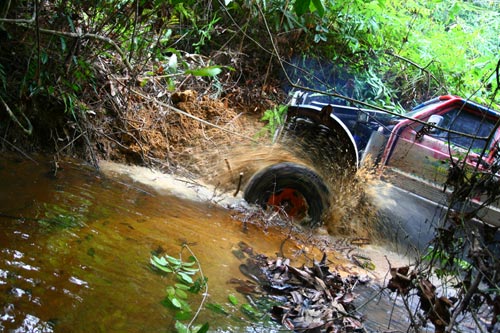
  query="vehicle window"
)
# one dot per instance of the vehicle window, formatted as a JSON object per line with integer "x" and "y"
{"x": 466, "y": 122}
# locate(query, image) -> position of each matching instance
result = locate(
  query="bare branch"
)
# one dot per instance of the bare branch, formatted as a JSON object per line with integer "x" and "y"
{"x": 28, "y": 130}
{"x": 28, "y": 23}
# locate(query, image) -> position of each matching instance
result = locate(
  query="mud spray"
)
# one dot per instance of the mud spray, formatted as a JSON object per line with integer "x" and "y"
{"x": 352, "y": 212}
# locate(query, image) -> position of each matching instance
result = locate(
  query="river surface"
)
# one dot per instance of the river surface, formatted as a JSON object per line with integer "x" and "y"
{"x": 75, "y": 245}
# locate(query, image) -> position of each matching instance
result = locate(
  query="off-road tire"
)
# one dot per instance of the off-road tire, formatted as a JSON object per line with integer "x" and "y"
{"x": 305, "y": 181}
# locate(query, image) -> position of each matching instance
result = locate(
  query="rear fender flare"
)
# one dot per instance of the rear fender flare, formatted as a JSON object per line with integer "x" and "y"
{"x": 325, "y": 117}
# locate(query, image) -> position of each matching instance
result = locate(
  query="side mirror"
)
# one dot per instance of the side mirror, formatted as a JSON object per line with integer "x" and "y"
{"x": 434, "y": 120}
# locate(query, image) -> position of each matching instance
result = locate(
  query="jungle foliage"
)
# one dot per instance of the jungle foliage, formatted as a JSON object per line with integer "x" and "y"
{"x": 385, "y": 52}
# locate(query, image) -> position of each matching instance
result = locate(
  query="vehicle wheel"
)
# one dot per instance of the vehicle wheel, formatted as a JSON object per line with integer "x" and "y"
{"x": 293, "y": 188}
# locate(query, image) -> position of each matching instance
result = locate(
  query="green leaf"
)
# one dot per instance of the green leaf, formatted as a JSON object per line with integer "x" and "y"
{"x": 156, "y": 264}
{"x": 182, "y": 286}
{"x": 181, "y": 293}
{"x": 318, "y": 6}
{"x": 201, "y": 328}
{"x": 184, "y": 277}
{"x": 173, "y": 260}
{"x": 63, "y": 44}
{"x": 176, "y": 302}
{"x": 184, "y": 305}
{"x": 198, "y": 284}
{"x": 170, "y": 291}
{"x": 181, "y": 328}
{"x": 44, "y": 57}
{"x": 190, "y": 271}
{"x": 217, "y": 308}
{"x": 233, "y": 299}
{"x": 188, "y": 264}
{"x": 172, "y": 63}
{"x": 206, "y": 71}
{"x": 250, "y": 312}
{"x": 166, "y": 302}
{"x": 161, "y": 261}
{"x": 301, "y": 7}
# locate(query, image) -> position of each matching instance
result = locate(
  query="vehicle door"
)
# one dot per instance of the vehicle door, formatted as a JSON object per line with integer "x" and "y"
{"x": 420, "y": 156}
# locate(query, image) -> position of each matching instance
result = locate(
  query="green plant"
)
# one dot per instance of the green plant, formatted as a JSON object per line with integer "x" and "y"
{"x": 178, "y": 293}
{"x": 445, "y": 262}
{"x": 190, "y": 281}
{"x": 275, "y": 118}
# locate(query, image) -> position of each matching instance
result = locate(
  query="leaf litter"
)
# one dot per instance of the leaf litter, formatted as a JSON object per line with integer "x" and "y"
{"x": 306, "y": 298}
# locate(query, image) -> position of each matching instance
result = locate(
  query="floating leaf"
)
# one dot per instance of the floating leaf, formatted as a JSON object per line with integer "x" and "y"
{"x": 188, "y": 263}
{"x": 182, "y": 286}
{"x": 181, "y": 328}
{"x": 201, "y": 328}
{"x": 181, "y": 293}
{"x": 185, "y": 305}
{"x": 159, "y": 266}
{"x": 206, "y": 71}
{"x": 160, "y": 261}
{"x": 170, "y": 291}
{"x": 176, "y": 302}
{"x": 173, "y": 260}
{"x": 233, "y": 299}
{"x": 190, "y": 271}
{"x": 184, "y": 277}
{"x": 166, "y": 302}
{"x": 198, "y": 284}
{"x": 249, "y": 311}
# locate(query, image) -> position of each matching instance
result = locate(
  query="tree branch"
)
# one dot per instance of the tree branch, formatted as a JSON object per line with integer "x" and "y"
{"x": 74, "y": 35}
{"x": 414, "y": 64}
{"x": 28, "y": 130}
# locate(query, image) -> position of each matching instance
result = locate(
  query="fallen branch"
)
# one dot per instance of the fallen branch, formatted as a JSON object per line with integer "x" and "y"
{"x": 19, "y": 150}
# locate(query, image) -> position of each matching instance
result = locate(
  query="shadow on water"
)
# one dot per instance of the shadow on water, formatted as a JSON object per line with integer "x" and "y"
{"x": 75, "y": 248}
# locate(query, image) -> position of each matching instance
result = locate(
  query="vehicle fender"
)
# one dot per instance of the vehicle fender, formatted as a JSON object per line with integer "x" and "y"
{"x": 325, "y": 117}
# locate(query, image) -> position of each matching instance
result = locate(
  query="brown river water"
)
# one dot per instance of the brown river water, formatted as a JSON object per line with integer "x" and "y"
{"x": 75, "y": 248}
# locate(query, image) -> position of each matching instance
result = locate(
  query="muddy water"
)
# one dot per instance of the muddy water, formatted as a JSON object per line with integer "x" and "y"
{"x": 75, "y": 245}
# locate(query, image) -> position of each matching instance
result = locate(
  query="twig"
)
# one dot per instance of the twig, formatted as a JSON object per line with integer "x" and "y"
{"x": 29, "y": 130}
{"x": 74, "y": 35}
{"x": 71, "y": 142}
{"x": 472, "y": 290}
{"x": 423, "y": 69}
{"x": 20, "y": 151}
{"x": 239, "y": 185}
{"x": 205, "y": 294}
